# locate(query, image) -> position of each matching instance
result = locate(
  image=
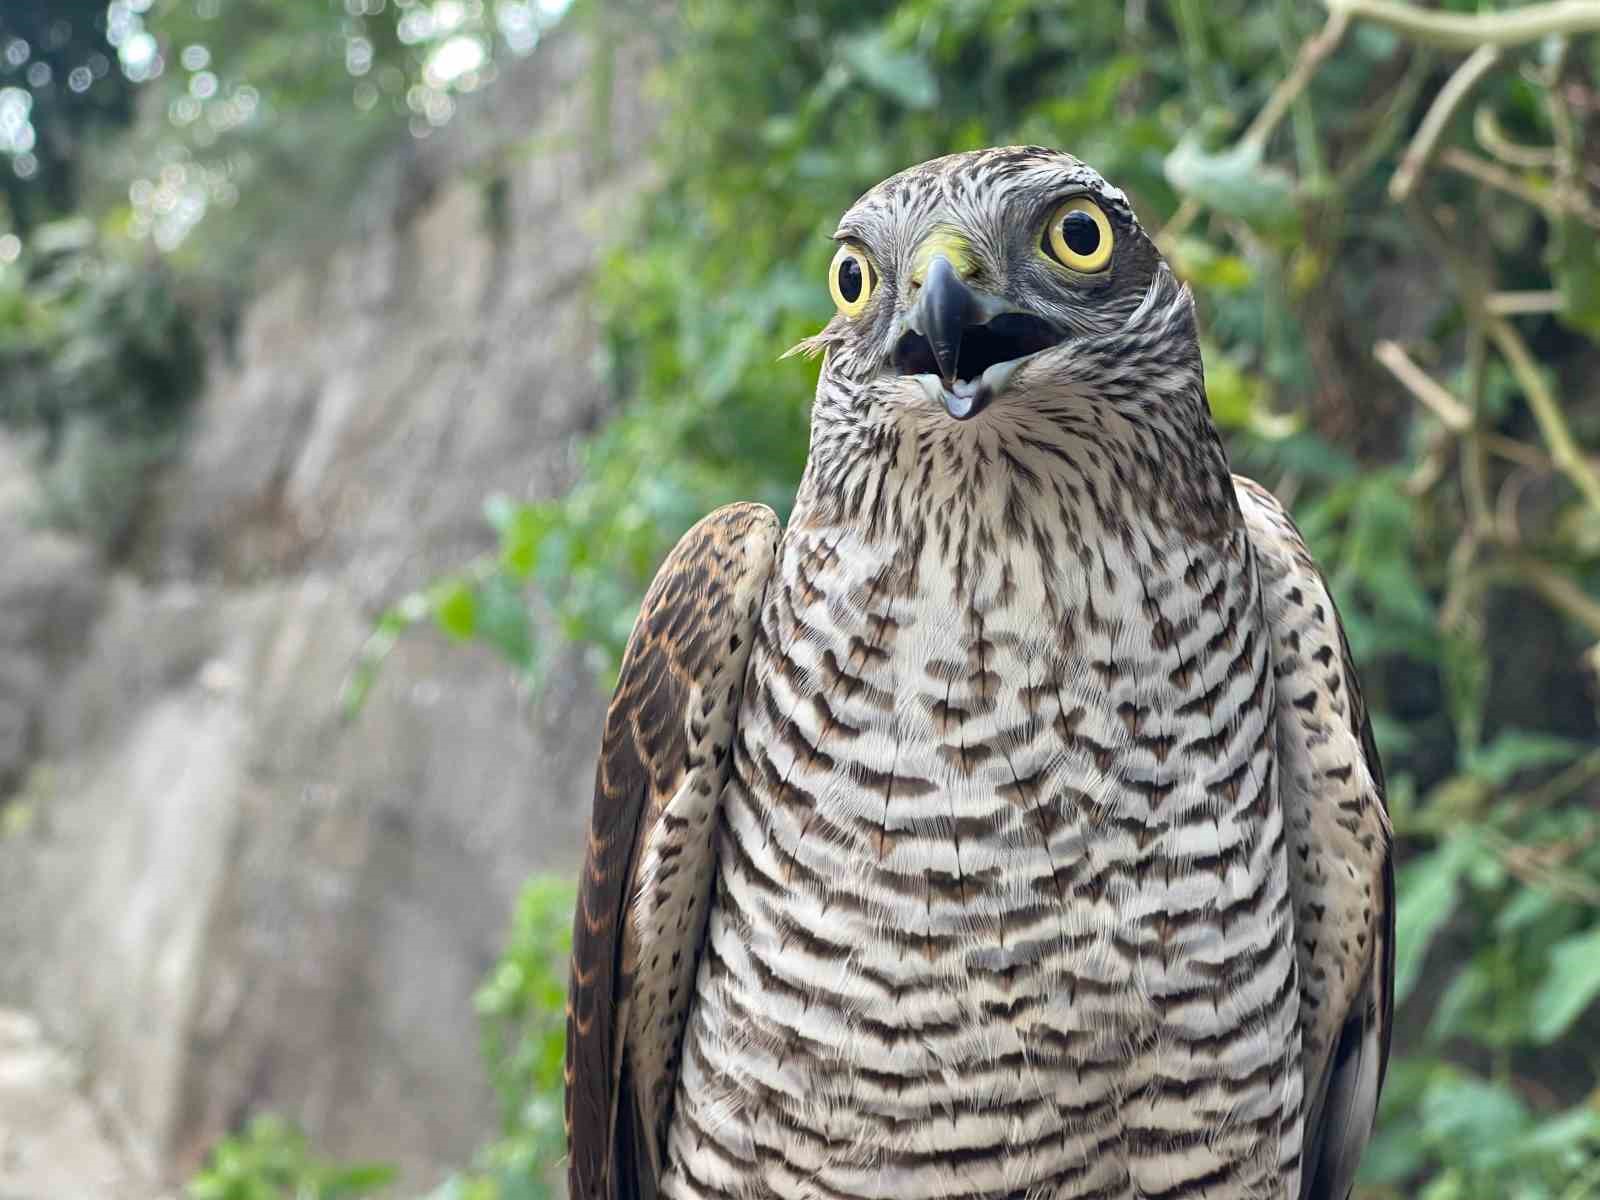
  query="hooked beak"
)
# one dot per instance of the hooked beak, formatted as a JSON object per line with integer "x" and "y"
{"x": 941, "y": 313}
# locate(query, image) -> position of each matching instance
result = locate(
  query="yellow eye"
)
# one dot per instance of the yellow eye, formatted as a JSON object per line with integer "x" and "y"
{"x": 850, "y": 280}
{"x": 1079, "y": 236}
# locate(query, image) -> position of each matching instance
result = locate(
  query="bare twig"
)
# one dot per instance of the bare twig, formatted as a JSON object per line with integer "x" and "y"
{"x": 1553, "y": 791}
{"x": 1499, "y": 144}
{"x": 1538, "y": 867}
{"x": 1468, "y": 31}
{"x": 1507, "y": 504}
{"x": 1546, "y": 200}
{"x": 1312, "y": 51}
{"x": 1390, "y": 125}
{"x": 1518, "y": 452}
{"x": 1460, "y": 84}
{"x": 1456, "y": 416}
{"x": 1311, "y": 55}
{"x": 1564, "y": 452}
{"x": 1474, "y": 467}
{"x": 1175, "y": 228}
{"x": 1516, "y": 304}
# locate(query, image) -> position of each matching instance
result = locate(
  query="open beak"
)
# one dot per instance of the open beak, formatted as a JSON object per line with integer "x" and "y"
{"x": 972, "y": 340}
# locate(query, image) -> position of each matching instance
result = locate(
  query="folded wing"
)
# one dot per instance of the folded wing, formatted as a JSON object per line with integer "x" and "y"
{"x": 1341, "y": 875}
{"x": 650, "y": 866}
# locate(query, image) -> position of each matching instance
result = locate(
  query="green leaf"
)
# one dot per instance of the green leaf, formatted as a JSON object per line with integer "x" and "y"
{"x": 360, "y": 1179}
{"x": 503, "y": 622}
{"x": 899, "y": 74}
{"x": 1234, "y": 394}
{"x": 522, "y": 533}
{"x": 1463, "y": 1001}
{"x": 1480, "y": 1120}
{"x": 1575, "y": 267}
{"x": 1233, "y": 181}
{"x": 1527, "y": 906}
{"x": 455, "y": 608}
{"x": 1517, "y": 750}
{"x": 1428, "y": 890}
{"x": 1569, "y": 987}
{"x": 1574, "y": 1129}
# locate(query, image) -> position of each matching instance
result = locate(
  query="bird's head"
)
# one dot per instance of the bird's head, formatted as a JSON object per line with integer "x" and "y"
{"x": 999, "y": 281}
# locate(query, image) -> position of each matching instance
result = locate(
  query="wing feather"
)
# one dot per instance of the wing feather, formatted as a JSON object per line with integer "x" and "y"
{"x": 648, "y": 871}
{"x": 1341, "y": 873}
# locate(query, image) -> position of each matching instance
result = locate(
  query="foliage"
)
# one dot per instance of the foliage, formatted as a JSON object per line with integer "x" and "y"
{"x": 100, "y": 360}
{"x": 270, "y": 1160}
{"x": 1393, "y": 308}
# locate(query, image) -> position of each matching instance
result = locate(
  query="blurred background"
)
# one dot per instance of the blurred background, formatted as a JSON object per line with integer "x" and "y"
{"x": 359, "y": 359}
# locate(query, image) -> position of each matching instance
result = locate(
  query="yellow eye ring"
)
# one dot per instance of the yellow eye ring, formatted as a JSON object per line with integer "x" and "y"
{"x": 1079, "y": 236}
{"x": 851, "y": 281}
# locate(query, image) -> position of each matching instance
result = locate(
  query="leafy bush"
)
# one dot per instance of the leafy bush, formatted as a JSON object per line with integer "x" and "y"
{"x": 270, "y": 1160}
{"x": 100, "y": 359}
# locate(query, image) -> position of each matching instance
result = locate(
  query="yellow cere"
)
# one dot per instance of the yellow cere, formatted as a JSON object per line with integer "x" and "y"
{"x": 945, "y": 243}
{"x": 851, "y": 280}
{"x": 1078, "y": 244}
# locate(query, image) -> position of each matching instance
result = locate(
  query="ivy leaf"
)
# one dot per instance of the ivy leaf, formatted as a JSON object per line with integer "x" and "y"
{"x": 1571, "y": 985}
{"x": 1234, "y": 181}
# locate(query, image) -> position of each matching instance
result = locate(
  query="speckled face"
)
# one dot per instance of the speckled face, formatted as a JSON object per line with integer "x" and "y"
{"x": 979, "y": 277}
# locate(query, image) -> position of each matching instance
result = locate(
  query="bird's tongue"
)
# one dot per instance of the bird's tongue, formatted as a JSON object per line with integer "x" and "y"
{"x": 967, "y": 398}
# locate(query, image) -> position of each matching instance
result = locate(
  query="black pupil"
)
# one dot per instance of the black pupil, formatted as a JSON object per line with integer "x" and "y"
{"x": 850, "y": 280}
{"x": 1080, "y": 233}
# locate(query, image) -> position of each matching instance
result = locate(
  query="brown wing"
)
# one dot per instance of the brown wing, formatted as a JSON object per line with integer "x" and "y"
{"x": 649, "y": 869}
{"x": 1341, "y": 873}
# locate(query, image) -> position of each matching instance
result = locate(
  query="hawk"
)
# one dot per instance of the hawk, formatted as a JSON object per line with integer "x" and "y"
{"x": 1010, "y": 824}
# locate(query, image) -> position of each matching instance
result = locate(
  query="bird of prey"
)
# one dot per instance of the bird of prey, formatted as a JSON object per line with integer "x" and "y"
{"x": 1010, "y": 824}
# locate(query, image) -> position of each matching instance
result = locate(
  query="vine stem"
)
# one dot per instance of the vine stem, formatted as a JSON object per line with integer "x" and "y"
{"x": 1547, "y": 412}
{"x": 1496, "y": 176}
{"x": 1478, "y": 64}
{"x": 1468, "y": 31}
{"x": 1311, "y": 55}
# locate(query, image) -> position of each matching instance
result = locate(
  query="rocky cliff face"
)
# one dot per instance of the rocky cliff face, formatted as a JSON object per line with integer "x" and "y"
{"x": 219, "y": 893}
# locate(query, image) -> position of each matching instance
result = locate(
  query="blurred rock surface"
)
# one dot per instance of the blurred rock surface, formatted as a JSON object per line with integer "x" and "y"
{"x": 222, "y": 896}
{"x": 53, "y": 1144}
